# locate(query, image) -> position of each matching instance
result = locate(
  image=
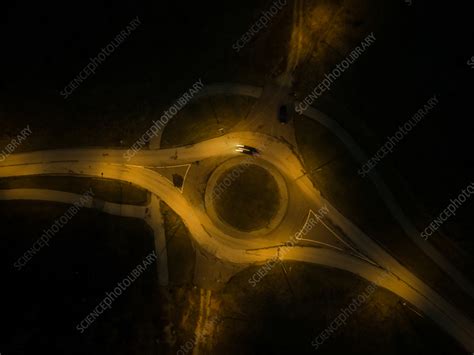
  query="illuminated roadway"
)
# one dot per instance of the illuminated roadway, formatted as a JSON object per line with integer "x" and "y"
{"x": 222, "y": 242}
{"x": 357, "y": 153}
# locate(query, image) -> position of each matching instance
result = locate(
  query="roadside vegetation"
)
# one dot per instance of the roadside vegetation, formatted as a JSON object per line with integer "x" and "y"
{"x": 250, "y": 201}
{"x": 283, "y": 315}
{"x": 334, "y": 172}
{"x": 64, "y": 282}
{"x": 181, "y": 252}
{"x": 204, "y": 119}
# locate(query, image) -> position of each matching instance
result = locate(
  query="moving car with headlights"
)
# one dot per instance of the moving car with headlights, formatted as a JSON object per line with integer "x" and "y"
{"x": 245, "y": 149}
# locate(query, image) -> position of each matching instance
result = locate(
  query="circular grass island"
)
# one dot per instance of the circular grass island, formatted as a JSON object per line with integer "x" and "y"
{"x": 248, "y": 197}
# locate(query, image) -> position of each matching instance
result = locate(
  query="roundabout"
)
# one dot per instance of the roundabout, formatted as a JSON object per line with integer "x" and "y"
{"x": 246, "y": 195}
{"x": 297, "y": 197}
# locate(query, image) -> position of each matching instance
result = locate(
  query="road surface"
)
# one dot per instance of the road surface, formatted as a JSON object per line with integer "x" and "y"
{"x": 221, "y": 241}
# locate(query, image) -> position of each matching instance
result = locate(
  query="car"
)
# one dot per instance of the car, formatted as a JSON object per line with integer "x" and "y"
{"x": 283, "y": 114}
{"x": 245, "y": 149}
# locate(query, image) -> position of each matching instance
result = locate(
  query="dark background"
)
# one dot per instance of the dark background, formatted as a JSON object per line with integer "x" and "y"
{"x": 45, "y": 45}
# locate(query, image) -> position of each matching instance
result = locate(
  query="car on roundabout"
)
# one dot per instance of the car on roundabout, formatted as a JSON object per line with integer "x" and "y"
{"x": 245, "y": 149}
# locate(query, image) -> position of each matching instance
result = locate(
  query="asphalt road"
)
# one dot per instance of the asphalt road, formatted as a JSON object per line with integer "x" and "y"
{"x": 302, "y": 196}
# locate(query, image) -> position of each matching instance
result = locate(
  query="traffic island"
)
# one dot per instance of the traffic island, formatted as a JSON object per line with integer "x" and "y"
{"x": 247, "y": 194}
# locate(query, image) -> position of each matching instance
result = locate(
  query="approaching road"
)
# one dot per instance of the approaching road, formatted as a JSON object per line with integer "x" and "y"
{"x": 222, "y": 242}
{"x": 150, "y": 213}
{"x": 390, "y": 201}
{"x": 359, "y": 155}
